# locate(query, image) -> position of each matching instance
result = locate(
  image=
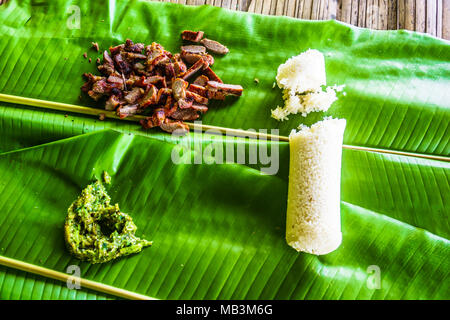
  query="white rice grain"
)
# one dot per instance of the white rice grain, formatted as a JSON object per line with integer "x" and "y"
{"x": 313, "y": 213}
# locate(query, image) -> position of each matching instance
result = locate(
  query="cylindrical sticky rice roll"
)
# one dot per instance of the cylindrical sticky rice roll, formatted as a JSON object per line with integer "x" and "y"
{"x": 313, "y": 222}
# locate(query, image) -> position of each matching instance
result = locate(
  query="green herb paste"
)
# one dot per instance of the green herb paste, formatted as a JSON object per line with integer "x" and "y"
{"x": 97, "y": 231}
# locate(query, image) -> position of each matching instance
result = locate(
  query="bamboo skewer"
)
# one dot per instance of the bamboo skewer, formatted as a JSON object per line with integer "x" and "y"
{"x": 398, "y": 153}
{"x": 193, "y": 126}
{"x": 84, "y": 283}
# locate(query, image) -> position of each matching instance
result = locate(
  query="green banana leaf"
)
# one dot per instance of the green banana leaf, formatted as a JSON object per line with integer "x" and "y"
{"x": 218, "y": 229}
{"x": 396, "y": 81}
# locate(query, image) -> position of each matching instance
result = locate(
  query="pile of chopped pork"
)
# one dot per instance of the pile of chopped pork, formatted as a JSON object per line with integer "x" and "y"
{"x": 169, "y": 88}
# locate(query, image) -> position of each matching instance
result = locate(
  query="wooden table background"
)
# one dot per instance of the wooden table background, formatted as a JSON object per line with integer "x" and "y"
{"x": 430, "y": 16}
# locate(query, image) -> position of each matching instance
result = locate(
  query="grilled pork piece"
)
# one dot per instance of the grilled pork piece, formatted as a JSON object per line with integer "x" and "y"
{"x": 95, "y": 46}
{"x": 158, "y": 81}
{"x": 133, "y": 56}
{"x": 201, "y": 80}
{"x": 170, "y": 108}
{"x": 200, "y": 64}
{"x": 233, "y": 89}
{"x": 179, "y": 87}
{"x": 158, "y": 60}
{"x": 163, "y": 95}
{"x": 100, "y": 86}
{"x": 212, "y": 75}
{"x": 196, "y": 97}
{"x": 185, "y": 114}
{"x": 216, "y": 95}
{"x": 150, "y": 96}
{"x": 179, "y": 68}
{"x": 170, "y": 70}
{"x": 115, "y": 79}
{"x": 155, "y": 120}
{"x": 134, "y": 95}
{"x": 90, "y": 80}
{"x": 192, "y": 58}
{"x": 117, "y": 49}
{"x": 131, "y": 47}
{"x": 159, "y": 116}
{"x": 108, "y": 64}
{"x": 185, "y": 103}
{"x": 172, "y": 126}
{"x": 194, "y": 36}
{"x": 214, "y": 46}
{"x": 149, "y": 79}
{"x": 199, "y": 107}
{"x": 107, "y": 58}
{"x": 112, "y": 103}
{"x": 217, "y": 90}
{"x": 127, "y": 110}
{"x": 200, "y": 90}
{"x": 209, "y": 59}
{"x": 193, "y": 49}
{"x": 122, "y": 64}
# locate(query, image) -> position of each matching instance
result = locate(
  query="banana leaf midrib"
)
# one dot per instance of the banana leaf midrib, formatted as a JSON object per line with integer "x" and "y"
{"x": 229, "y": 131}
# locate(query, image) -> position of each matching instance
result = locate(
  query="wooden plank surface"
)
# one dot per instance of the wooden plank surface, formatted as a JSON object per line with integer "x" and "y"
{"x": 430, "y": 16}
